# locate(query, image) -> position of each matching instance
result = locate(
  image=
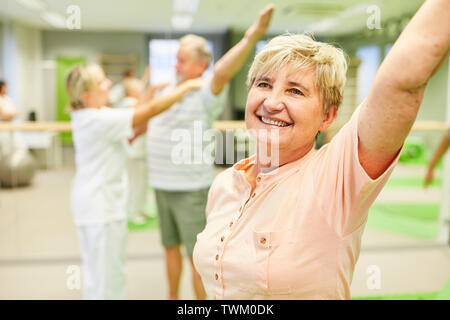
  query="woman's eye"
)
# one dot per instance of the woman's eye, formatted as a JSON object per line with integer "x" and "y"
{"x": 262, "y": 85}
{"x": 296, "y": 91}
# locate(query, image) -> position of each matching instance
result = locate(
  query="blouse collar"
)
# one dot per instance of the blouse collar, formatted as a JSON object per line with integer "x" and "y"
{"x": 275, "y": 174}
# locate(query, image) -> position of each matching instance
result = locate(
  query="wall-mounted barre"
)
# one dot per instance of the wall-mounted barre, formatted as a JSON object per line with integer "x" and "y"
{"x": 219, "y": 125}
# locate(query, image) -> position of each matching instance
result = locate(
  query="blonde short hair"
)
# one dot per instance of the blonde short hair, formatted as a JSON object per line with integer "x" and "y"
{"x": 81, "y": 79}
{"x": 198, "y": 45}
{"x": 300, "y": 51}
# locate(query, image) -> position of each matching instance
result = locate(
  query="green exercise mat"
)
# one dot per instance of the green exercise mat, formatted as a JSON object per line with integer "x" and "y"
{"x": 151, "y": 218}
{"x": 416, "y": 220}
{"x": 444, "y": 294}
{"x": 411, "y": 182}
{"x": 404, "y": 296}
{"x": 151, "y": 223}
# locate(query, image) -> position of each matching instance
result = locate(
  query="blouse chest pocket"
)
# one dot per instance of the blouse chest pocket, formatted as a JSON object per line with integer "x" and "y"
{"x": 286, "y": 264}
{"x": 271, "y": 252}
{"x": 271, "y": 239}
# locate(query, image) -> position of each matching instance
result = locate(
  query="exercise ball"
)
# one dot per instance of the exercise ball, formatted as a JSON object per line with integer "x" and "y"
{"x": 17, "y": 169}
{"x": 413, "y": 152}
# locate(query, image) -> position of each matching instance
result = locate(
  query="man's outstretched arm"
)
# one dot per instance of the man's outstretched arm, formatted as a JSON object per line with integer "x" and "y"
{"x": 232, "y": 61}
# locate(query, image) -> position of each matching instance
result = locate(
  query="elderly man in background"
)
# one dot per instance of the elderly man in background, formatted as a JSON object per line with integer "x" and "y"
{"x": 181, "y": 189}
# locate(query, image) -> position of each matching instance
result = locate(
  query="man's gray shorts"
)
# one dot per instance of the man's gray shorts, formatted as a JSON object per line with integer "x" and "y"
{"x": 181, "y": 216}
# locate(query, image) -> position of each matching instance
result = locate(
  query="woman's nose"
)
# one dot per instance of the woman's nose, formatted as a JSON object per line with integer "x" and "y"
{"x": 274, "y": 103}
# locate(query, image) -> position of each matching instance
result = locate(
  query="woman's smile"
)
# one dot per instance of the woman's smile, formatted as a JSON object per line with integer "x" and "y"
{"x": 274, "y": 122}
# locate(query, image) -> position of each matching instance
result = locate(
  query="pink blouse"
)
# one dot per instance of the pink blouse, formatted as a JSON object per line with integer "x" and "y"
{"x": 298, "y": 235}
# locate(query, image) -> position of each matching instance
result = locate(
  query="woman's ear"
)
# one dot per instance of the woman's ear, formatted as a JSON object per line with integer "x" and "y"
{"x": 85, "y": 97}
{"x": 203, "y": 65}
{"x": 329, "y": 118}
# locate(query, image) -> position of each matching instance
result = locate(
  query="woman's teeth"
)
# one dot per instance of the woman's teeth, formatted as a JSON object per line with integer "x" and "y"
{"x": 274, "y": 122}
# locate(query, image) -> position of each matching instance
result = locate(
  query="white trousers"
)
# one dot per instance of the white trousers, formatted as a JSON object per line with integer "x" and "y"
{"x": 137, "y": 189}
{"x": 103, "y": 255}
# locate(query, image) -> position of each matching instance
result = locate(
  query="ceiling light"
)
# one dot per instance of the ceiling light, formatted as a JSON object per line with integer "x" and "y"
{"x": 33, "y": 4}
{"x": 185, "y": 6}
{"x": 354, "y": 11}
{"x": 54, "y": 19}
{"x": 323, "y": 25}
{"x": 182, "y": 21}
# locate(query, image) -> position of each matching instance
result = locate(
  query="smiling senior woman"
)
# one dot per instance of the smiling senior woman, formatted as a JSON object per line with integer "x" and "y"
{"x": 293, "y": 230}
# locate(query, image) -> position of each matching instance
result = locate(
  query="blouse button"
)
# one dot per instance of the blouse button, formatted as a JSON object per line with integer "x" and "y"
{"x": 262, "y": 240}
{"x": 231, "y": 224}
{"x": 217, "y": 257}
{"x": 222, "y": 238}
{"x": 258, "y": 179}
{"x": 217, "y": 277}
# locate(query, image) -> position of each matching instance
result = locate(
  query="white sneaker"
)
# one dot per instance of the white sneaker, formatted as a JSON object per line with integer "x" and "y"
{"x": 149, "y": 215}
{"x": 139, "y": 220}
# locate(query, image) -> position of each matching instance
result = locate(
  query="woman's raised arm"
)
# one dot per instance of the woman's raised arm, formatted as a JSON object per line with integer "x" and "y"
{"x": 394, "y": 99}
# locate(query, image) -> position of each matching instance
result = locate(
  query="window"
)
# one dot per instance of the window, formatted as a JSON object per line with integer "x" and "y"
{"x": 387, "y": 48}
{"x": 163, "y": 57}
{"x": 259, "y": 45}
{"x": 370, "y": 61}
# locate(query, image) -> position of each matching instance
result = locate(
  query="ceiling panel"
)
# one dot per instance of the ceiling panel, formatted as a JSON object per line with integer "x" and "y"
{"x": 321, "y": 16}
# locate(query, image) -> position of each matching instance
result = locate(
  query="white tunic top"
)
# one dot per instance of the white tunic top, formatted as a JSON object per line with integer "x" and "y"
{"x": 100, "y": 183}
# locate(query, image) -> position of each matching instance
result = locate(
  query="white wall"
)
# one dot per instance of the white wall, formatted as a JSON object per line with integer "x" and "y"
{"x": 434, "y": 107}
{"x": 444, "y": 218}
{"x": 29, "y": 71}
{"x": 89, "y": 45}
{"x": 21, "y": 55}
{"x": 1, "y": 50}
{"x": 9, "y": 59}
{"x": 434, "y": 104}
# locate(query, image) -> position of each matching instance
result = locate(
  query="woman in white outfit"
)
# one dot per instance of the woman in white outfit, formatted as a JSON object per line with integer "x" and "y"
{"x": 99, "y": 189}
